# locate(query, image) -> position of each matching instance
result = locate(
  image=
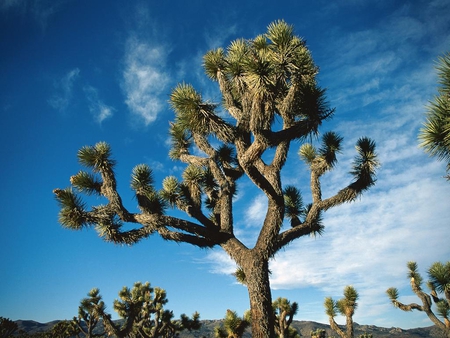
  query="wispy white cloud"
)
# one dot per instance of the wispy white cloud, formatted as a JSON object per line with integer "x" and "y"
{"x": 256, "y": 211}
{"x": 99, "y": 110}
{"x": 145, "y": 76}
{"x": 63, "y": 90}
{"x": 144, "y": 79}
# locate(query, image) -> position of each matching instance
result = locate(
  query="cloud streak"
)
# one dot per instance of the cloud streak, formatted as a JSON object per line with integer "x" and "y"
{"x": 99, "y": 110}
{"x": 63, "y": 90}
{"x": 144, "y": 80}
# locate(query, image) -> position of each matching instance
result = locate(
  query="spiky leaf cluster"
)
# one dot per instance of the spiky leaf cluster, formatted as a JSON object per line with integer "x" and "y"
{"x": 439, "y": 276}
{"x": 72, "y": 209}
{"x": 365, "y": 164}
{"x": 330, "y": 307}
{"x": 435, "y": 134}
{"x": 97, "y": 157}
{"x": 87, "y": 183}
{"x": 293, "y": 203}
{"x": 414, "y": 275}
{"x": 392, "y": 294}
{"x": 324, "y": 158}
{"x": 348, "y": 304}
{"x": 148, "y": 198}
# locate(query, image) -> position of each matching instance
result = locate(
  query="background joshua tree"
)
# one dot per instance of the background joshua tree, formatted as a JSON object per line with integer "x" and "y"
{"x": 233, "y": 326}
{"x": 345, "y": 306}
{"x": 64, "y": 329}
{"x": 318, "y": 333}
{"x": 435, "y": 134}
{"x": 90, "y": 312}
{"x": 284, "y": 314}
{"x": 438, "y": 283}
{"x": 270, "y": 98}
{"x": 7, "y": 327}
{"x": 366, "y": 335}
{"x": 142, "y": 309}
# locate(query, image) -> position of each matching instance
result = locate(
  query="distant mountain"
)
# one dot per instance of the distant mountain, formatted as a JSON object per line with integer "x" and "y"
{"x": 304, "y": 327}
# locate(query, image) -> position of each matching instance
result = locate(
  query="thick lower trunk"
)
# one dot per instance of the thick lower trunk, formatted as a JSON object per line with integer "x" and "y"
{"x": 257, "y": 280}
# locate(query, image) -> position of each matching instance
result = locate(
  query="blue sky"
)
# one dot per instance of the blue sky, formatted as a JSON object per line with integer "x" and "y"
{"x": 73, "y": 73}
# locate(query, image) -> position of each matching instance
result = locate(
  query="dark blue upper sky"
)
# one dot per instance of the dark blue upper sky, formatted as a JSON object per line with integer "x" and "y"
{"x": 73, "y": 73}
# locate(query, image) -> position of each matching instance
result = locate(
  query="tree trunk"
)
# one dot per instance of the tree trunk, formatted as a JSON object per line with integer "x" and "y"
{"x": 257, "y": 280}
{"x": 349, "y": 325}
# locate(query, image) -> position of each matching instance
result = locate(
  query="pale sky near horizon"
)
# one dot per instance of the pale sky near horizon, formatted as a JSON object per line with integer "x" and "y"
{"x": 75, "y": 73}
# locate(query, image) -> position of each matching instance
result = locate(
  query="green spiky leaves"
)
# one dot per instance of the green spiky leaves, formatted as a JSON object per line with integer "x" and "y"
{"x": 181, "y": 140}
{"x": 239, "y": 274}
{"x": 171, "y": 190}
{"x": 234, "y": 325}
{"x": 142, "y": 183}
{"x": 192, "y": 181}
{"x": 439, "y": 276}
{"x": 192, "y": 113}
{"x": 87, "y": 183}
{"x": 443, "y": 309}
{"x": 72, "y": 214}
{"x": 414, "y": 274}
{"x": 365, "y": 164}
{"x": 330, "y": 307}
{"x": 280, "y": 33}
{"x": 236, "y": 54}
{"x": 349, "y": 300}
{"x": 435, "y": 133}
{"x": 331, "y": 145}
{"x": 324, "y": 158}
{"x": 213, "y": 61}
{"x": 307, "y": 153}
{"x": 311, "y": 105}
{"x": 392, "y": 294}
{"x": 96, "y": 157}
{"x": 194, "y": 117}
{"x": 293, "y": 204}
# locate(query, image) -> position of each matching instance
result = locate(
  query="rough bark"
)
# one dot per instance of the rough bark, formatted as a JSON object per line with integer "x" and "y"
{"x": 257, "y": 276}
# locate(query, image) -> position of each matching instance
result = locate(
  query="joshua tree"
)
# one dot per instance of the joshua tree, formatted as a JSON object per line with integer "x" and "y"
{"x": 270, "y": 98}
{"x": 438, "y": 283}
{"x": 435, "y": 134}
{"x": 284, "y": 314}
{"x": 64, "y": 329}
{"x": 7, "y": 327}
{"x": 90, "y": 312}
{"x": 366, "y": 335}
{"x": 345, "y": 306}
{"x": 233, "y": 326}
{"x": 318, "y": 333}
{"x": 142, "y": 309}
